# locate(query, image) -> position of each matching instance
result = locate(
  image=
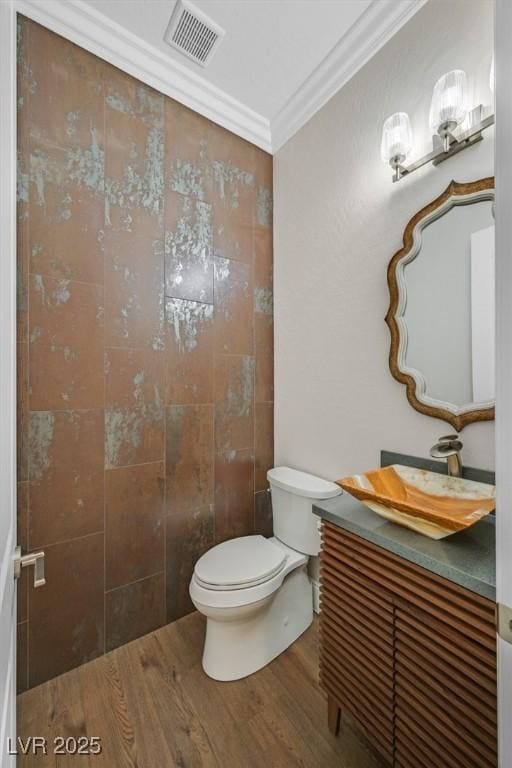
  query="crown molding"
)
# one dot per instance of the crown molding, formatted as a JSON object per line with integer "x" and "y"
{"x": 381, "y": 20}
{"x": 92, "y": 30}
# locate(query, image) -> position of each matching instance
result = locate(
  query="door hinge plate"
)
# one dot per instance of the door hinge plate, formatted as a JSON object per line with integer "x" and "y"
{"x": 505, "y": 622}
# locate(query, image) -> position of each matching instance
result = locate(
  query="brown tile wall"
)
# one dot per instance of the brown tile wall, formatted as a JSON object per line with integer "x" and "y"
{"x": 145, "y": 350}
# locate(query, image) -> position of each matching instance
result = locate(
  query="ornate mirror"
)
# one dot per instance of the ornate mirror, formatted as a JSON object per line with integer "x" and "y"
{"x": 441, "y": 313}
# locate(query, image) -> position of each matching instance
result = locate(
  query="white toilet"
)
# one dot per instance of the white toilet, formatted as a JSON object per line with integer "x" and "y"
{"x": 255, "y": 592}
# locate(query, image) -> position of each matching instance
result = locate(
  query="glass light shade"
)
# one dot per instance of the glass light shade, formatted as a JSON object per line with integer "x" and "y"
{"x": 491, "y": 75}
{"x": 449, "y": 101}
{"x": 396, "y": 137}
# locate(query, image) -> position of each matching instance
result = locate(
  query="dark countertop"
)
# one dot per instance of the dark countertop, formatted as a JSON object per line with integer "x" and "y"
{"x": 466, "y": 558}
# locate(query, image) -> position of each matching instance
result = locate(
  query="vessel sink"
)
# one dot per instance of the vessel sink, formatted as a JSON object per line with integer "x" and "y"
{"x": 432, "y": 504}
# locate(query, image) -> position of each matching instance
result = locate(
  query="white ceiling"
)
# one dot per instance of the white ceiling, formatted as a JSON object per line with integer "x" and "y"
{"x": 270, "y": 46}
{"x": 279, "y": 62}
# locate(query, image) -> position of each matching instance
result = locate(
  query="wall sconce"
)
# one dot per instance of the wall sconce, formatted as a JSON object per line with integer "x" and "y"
{"x": 448, "y": 107}
{"x": 396, "y": 141}
{"x": 452, "y": 126}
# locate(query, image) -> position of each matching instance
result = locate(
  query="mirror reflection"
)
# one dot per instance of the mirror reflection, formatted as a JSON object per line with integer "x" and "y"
{"x": 449, "y": 312}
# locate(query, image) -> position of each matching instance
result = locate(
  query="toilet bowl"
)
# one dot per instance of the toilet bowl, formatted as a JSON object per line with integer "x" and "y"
{"x": 255, "y": 592}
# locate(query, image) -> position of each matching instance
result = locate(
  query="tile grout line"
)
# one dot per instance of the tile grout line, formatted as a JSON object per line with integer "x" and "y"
{"x": 132, "y": 466}
{"x": 232, "y": 354}
{"x": 73, "y": 539}
{"x": 67, "y": 279}
{"x": 104, "y": 245}
{"x": 165, "y": 368}
{"x": 214, "y": 389}
{"x": 166, "y": 405}
{"x": 135, "y": 581}
{"x": 26, "y": 33}
{"x": 253, "y": 239}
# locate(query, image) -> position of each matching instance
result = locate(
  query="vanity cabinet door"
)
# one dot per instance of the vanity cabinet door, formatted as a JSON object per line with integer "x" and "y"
{"x": 357, "y": 637}
{"x": 445, "y": 694}
{"x": 409, "y": 655}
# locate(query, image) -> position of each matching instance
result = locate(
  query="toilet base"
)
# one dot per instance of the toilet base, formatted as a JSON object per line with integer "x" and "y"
{"x": 238, "y": 645}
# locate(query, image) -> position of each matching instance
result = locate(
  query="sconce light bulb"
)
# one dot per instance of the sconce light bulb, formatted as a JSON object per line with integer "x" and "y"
{"x": 396, "y": 141}
{"x": 448, "y": 108}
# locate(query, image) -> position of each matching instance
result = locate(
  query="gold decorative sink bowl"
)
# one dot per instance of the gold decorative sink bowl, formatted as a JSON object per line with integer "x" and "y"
{"x": 429, "y": 503}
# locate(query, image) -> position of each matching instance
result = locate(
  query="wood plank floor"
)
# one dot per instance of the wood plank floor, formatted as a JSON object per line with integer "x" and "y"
{"x": 153, "y": 707}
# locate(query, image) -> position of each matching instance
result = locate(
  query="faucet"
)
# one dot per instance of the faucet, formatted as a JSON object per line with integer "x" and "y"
{"x": 449, "y": 447}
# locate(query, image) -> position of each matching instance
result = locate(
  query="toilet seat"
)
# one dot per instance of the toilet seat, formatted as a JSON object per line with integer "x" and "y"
{"x": 239, "y": 563}
{"x": 229, "y": 597}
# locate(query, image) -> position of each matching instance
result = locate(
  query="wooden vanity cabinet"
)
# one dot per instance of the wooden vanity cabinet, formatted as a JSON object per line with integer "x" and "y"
{"x": 408, "y": 655}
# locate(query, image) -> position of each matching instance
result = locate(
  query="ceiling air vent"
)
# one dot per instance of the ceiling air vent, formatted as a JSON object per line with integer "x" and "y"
{"x": 192, "y": 33}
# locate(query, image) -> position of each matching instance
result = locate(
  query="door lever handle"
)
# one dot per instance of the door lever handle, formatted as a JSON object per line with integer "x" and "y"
{"x": 33, "y": 558}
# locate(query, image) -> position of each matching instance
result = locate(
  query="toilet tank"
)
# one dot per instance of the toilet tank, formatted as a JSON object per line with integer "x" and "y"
{"x": 293, "y": 496}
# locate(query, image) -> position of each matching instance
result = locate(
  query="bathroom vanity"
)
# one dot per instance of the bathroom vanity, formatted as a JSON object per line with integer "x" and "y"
{"x": 408, "y": 637}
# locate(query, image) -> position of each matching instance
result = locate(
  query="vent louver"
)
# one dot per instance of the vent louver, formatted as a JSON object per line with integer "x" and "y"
{"x": 192, "y": 33}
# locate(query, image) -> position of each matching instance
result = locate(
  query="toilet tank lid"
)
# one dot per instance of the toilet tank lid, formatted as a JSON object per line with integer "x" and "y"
{"x": 302, "y": 483}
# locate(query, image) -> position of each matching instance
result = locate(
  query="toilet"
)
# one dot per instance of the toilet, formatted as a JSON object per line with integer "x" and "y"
{"x": 255, "y": 592}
